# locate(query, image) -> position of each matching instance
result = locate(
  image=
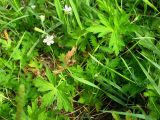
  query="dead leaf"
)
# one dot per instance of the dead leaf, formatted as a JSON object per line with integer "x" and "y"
{"x": 6, "y": 36}
{"x": 70, "y": 54}
{"x": 59, "y": 70}
{"x": 69, "y": 62}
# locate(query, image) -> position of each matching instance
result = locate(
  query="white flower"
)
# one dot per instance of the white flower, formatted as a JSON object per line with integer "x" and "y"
{"x": 67, "y": 9}
{"x": 49, "y": 39}
{"x": 42, "y": 17}
{"x": 33, "y": 6}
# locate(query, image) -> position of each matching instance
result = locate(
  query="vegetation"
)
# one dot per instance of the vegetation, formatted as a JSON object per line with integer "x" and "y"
{"x": 79, "y": 59}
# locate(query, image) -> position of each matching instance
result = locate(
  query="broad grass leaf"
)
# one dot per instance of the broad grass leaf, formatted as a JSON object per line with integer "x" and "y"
{"x": 141, "y": 116}
{"x": 150, "y": 4}
{"x": 82, "y": 80}
{"x": 111, "y": 83}
{"x": 115, "y": 98}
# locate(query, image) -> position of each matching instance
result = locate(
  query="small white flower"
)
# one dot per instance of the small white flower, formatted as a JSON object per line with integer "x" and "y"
{"x": 42, "y": 17}
{"x": 33, "y": 6}
{"x": 67, "y": 9}
{"x": 49, "y": 39}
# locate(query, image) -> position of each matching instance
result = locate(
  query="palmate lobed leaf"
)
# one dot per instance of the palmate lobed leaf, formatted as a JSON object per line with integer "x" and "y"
{"x": 116, "y": 43}
{"x": 48, "y": 98}
{"x": 113, "y": 26}
{"x": 43, "y": 85}
{"x": 63, "y": 101}
{"x": 99, "y": 29}
{"x": 57, "y": 93}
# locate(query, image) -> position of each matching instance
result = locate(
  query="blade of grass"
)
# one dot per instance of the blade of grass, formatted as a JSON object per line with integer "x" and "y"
{"x": 114, "y": 98}
{"x": 141, "y": 116}
{"x": 15, "y": 49}
{"x": 59, "y": 10}
{"x": 150, "y": 4}
{"x": 32, "y": 48}
{"x": 24, "y": 16}
{"x": 147, "y": 75}
{"x": 85, "y": 81}
{"x": 126, "y": 65}
{"x": 111, "y": 83}
{"x": 95, "y": 59}
{"x": 16, "y": 6}
{"x": 82, "y": 80}
{"x": 76, "y": 13}
{"x": 155, "y": 64}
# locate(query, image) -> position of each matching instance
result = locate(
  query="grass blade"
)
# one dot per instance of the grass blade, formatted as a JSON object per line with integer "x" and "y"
{"x": 155, "y": 64}
{"x": 76, "y": 13}
{"x": 95, "y": 59}
{"x": 14, "y": 21}
{"x": 59, "y": 9}
{"x": 147, "y": 75}
{"x": 150, "y": 4}
{"x": 16, "y": 48}
{"x": 141, "y": 116}
{"x": 82, "y": 80}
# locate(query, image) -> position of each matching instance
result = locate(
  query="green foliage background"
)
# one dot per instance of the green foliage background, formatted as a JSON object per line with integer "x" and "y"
{"x": 113, "y": 74}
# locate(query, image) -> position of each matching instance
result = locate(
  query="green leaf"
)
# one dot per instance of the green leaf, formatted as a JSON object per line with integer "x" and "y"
{"x": 40, "y": 30}
{"x": 59, "y": 9}
{"x": 6, "y": 44}
{"x": 76, "y": 13}
{"x": 99, "y": 29}
{"x": 116, "y": 43}
{"x": 152, "y": 81}
{"x": 50, "y": 76}
{"x": 151, "y": 61}
{"x": 95, "y": 59}
{"x": 16, "y": 49}
{"x": 43, "y": 85}
{"x": 150, "y": 4}
{"x": 99, "y": 77}
{"x": 82, "y": 80}
{"x": 147, "y": 42}
{"x": 116, "y": 116}
{"x": 48, "y": 98}
{"x": 63, "y": 101}
{"x": 141, "y": 116}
